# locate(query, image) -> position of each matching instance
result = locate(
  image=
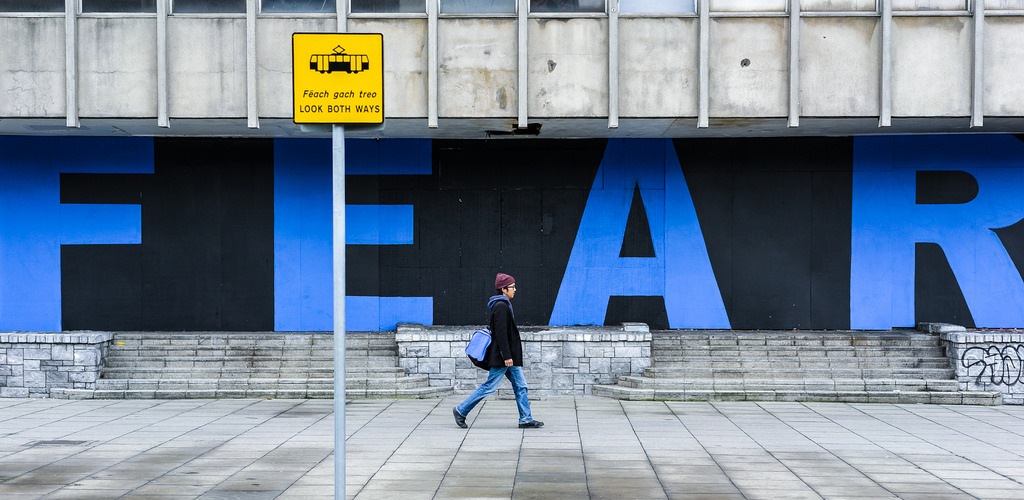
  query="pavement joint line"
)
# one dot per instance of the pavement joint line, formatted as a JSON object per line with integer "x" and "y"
{"x": 579, "y": 435}
{"x": 661, "y": 482}
{"x": 461, "y": 443}
{"x": 826, "y": 450}
{"x": 240, "y": 435}
{"x": 960, "y": 432}
{"x": 392, "y": 454}
{"x": 704, "y": 448}
{"x": 887, "y": 447}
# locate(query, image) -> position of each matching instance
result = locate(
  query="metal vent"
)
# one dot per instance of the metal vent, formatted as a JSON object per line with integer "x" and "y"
{"x": 57, "y": 442}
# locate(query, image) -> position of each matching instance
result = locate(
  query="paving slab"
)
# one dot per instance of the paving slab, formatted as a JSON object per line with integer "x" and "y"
{"x": 590, "y": 448}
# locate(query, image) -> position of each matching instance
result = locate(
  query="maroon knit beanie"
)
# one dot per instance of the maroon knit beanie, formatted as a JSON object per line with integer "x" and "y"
{"x": 503, "y": 280}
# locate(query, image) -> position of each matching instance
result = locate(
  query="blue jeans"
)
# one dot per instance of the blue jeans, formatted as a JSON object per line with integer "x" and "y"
{"x": 514, "y": 375}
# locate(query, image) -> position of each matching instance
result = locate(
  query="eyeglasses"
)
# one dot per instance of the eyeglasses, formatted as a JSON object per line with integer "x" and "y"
{"x": 512, "y": 286}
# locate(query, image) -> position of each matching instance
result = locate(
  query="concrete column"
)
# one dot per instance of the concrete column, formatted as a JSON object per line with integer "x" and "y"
{"x": 978, "y": 82}
{"x": 794, "y": 63}
{"x": 524, "y": 9}
{"x": 613, "y": 63}
{"x": 432, "y": 8}
{"x": 251, "y": 99}
{"x": 71, "y": 62}
{"x": 885, "y": 91}
{"x": 162, "y": 117}
{"x": 704, "y": 62}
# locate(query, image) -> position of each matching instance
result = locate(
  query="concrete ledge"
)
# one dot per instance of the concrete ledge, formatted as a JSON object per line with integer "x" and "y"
{"x": 32, "y": 364}
{"x": 636, "y": 332}
{"x": 940, "y": 328}
{"x": 559, "y": 360}
{"x": 55, "y": 338}
{"x": 987, "y": 360}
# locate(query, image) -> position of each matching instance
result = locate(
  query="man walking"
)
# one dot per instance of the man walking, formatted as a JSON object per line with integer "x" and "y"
{"x": 504, "y": 357}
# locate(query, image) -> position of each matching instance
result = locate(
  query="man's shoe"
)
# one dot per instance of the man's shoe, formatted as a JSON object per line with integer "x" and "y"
{"x": 459, "y": 419}
{"x": 533, "y": 424}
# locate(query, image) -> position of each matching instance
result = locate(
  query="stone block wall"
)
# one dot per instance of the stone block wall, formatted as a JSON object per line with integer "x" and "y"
{"x": 559, "y": 360}
{"x": 33, "y": 363}
{"x": 985, "y": 360}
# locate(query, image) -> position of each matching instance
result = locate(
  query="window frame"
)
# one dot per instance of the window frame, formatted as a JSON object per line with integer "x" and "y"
{"x": 261, "y": 13}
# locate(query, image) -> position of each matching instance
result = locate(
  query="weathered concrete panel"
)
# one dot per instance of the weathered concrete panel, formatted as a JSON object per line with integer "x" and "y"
{"x": 117, "y": 67}
{"x": 405, "y": 63}
{"x": 931, "y": 66}
{"x": 32, "y": 67}
{"x": 749, "y": 67}
{"x": 568, "y": 67}
{"x": 206, "y": 67}
{"x": 1004, "y": 51}
{"x": 274, "y": 61}
{"x": 478, "y": 74}
{"x": 665, "y": 85}
{"x": 839, "y": 66}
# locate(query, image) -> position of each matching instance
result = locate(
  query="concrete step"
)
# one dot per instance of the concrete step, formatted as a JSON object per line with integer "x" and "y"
{"x": 376, "y": 383}
{"x": 797, "y": 361}
{"x": 691, "y": 372}
{"x": 671, "y": 339}
{"x": 884, "y": 367}
{"x": 157, "y": 373}
{"x": 158, "y": 343}
{"x": 241, "y": 353}
{"x": 792, "y": 351}
{"x": 810, "y": 384}
{"x": 417, "y": 393}
{"x": 237, "y": 361}
{"x": 231, "y": 341}
{"x": 888, "y": 396}
{"x": 175, "y": 366}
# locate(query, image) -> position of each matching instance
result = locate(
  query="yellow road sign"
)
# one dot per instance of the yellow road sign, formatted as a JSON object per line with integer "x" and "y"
{"x": 338, "y": 77}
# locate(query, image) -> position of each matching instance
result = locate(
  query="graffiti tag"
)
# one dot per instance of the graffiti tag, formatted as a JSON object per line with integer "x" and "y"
{"x": 1003, "y": 365}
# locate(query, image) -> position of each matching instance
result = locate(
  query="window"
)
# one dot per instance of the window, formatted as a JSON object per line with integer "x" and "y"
{"x": 926, "y": 5}
{"x": 1004, "y": 4}
{"x": 389, "y": 6}
{"x": 478, "y": 6}
{"x": 566, "y": 5}
{"x": 31, "y": 5}
{"x": 657, "y": 6}
{"x": 837, "y": 5}
{"x": 292, "y": 6}
{"x": 118, "y": 5}
{"x": 748, "y": 5}
{"x": 207, "y": 6}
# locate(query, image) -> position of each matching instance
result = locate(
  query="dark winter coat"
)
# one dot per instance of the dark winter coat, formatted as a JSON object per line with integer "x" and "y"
{"x": 505, "y": 340}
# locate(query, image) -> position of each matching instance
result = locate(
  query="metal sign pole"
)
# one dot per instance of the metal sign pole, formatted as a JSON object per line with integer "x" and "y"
{"x": 338, "y": 162}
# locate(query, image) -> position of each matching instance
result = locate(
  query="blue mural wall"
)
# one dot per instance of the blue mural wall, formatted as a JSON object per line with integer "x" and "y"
{"x": 303, "y": 250}
{"x": 35, "y": 223}
{"x": 781, "y": 233}
{"x": 889, "y": 219}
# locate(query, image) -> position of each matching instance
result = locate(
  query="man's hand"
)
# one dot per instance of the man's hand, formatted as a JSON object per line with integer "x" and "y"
{"x": 508, "y": 362}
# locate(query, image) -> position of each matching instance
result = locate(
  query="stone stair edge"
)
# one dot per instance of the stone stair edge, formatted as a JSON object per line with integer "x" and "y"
{"x": 892, "y": 396}
{"x": 422, "y": 392}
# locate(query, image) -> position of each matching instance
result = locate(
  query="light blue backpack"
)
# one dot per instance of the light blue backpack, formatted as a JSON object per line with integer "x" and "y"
{"x": 477, "y": 348}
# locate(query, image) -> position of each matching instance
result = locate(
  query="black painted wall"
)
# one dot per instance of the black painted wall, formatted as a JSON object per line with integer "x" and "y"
{"x": 206, "y": 260}
{"x": 775, "y": 215}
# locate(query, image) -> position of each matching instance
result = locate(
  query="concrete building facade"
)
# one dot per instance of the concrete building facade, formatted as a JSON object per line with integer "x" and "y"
{"x": 747, "y": 164}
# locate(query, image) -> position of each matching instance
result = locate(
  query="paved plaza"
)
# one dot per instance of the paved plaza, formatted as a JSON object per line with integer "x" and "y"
{"x": 590, "y": 447}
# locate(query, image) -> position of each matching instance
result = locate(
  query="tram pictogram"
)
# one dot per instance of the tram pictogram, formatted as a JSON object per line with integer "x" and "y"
{"x": 339, "y": 61}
